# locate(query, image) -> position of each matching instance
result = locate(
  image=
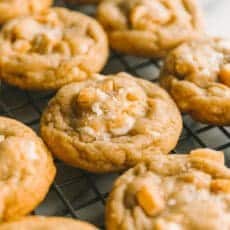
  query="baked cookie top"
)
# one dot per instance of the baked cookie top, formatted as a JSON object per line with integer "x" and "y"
{"x": 107, "y": 123}
{"x": 26, "y": 169}
{"x": 197, "y": 75}
{"x": 13, "y": 8}
{"x": 47, "y": 223}
{"x": 174, "y": 192}
{"x": 149, "y": 27}
{"x": 52, "y": 49}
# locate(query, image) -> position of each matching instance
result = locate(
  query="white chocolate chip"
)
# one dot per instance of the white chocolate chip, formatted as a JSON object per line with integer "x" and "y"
{"x": 98, "y": 77}
{"x": 121, "y": 91}
{"x": 27, "y": 29}
{"x": 92, "y": 133}
{"x": 214, "y": 61}
{"x": 125, "y": 128}
{"x": 96, "y": 108}
{"x": 110, "y": 115}
{"x": 155, "y": 134}
{"x": 29, "y": 149}
{"x": 105, "y": 137}
{"x": 32, "y": 151}
{"x": 75, "y": 71}
{"x": 89, "y": 131}
{"x": 163, "y": 224}
{"x": 2, "y": 138}
{"x": 171, "y": 202}
{"x": 102, "y": 96}
{"x": 173, "y": 226}
{"x": 54, "y": 34}
{"x": 161, "y": 13}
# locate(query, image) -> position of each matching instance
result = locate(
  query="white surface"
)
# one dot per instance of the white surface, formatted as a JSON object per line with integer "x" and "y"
{"x": 217, "y": 17}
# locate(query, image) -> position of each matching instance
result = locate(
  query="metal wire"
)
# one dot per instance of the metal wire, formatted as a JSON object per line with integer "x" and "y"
{"x": 88, "y": 203}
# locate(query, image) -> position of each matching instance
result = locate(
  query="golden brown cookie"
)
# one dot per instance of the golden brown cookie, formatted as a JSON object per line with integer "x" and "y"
{"x": 197, "y": 75}
{"x": 50, "y": 50}
{"x": 149, "y": 28}
{"x": 108, "y": 123}
{"x": 26, "y": 169}
{"x": 173, "y": 192}
{"x": 14, "y": 8}
{"x": 46, "y": 223}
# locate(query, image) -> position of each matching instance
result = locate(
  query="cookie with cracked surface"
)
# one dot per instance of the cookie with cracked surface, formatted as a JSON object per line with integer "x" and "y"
{"x": 149, "y": 28}
{"x": 108, "y": 123}
{"x": 197, "y": 75}
{"x": 14, "y": 8}
{"x": 52, "y": 49}
{"x": 26, "y": 169}
{"x": 172, "y": 192}
{"x": 48, "y": 223}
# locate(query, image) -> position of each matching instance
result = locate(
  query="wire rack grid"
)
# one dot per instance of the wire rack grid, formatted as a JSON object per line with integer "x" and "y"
{"x": 80, "y": 194}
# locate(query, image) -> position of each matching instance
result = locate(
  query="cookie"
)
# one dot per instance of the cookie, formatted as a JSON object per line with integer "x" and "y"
{"x": 15, "y": 8}
{"x": 48, "y": 223}
{"x": 26, "y": 169}
{"x": 50, "y": 50}
{"x": 108, "y": 123}
{"x": 173, "y": 192}
{"x": 149, "y": 28}
{"x": 197, "y": 75}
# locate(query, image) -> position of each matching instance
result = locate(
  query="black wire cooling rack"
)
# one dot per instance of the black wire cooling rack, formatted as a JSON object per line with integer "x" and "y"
{"x": 80, "y": 194}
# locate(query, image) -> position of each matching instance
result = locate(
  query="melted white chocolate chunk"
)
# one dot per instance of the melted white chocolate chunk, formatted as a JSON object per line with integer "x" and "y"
{"x": 123, "y": 126}
{"x": 2, "y": 138}
{"x": 29, "y": 149}
{"x": 111, "y": 103}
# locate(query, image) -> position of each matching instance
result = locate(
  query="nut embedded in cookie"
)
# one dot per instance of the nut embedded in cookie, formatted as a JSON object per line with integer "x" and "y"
{"x": 220, "y": 185}
{"x": 49, "y": 50}
{"x": 149, "y": 28}
{"x": 197, "y": 74}
{"x": 224, "y": 75}
{"x": 150, "y": 200}
{"x": 110, "y": 123}
{"x": 170, "y": 192}
{"x": 26, "y": 170}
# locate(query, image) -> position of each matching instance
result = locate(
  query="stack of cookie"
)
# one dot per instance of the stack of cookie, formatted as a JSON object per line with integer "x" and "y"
{"x": 111, "y": 123}
{"x": 41, "y": 48}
